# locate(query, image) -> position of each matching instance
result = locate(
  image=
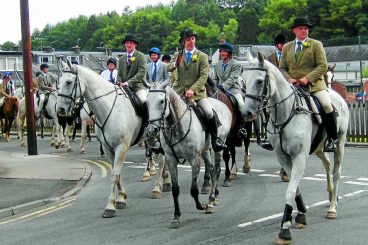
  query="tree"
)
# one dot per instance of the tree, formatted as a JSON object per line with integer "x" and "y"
{"x": 9, "y": 46}
{"x": 230, "y": 31}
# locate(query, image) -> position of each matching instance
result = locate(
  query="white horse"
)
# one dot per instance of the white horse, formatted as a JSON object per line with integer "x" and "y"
{"x": 329, "y": 77}
{"x": 117, "y": 123}
{"x": 57, "y": 138}
{"x": 182, "y": 137}
{"x": 292, "y": 133}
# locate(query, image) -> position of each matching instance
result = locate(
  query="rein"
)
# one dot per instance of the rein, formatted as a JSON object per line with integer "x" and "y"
{"x": 73, "y": 97}
{"x": 167, "y": 132}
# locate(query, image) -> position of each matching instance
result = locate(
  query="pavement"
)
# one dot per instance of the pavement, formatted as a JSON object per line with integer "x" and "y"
{"x": 28, "y": 182}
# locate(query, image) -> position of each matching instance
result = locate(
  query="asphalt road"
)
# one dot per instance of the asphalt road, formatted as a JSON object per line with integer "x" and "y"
{"x": 249, "y": 212}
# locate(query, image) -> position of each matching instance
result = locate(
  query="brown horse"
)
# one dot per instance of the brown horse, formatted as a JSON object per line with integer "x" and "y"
{"x": 234, "y": 139}
{"x": 8, "y": 112}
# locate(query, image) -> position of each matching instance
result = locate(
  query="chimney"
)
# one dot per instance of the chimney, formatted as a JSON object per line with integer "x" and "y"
{"x": 76, "y": 49}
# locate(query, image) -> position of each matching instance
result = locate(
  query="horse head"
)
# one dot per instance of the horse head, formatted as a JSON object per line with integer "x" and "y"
{"x": 258, "y": 86}
{"x": 329, "y": 76}
{"x": 70, "y": 89}
{"x": 157, "y": 103}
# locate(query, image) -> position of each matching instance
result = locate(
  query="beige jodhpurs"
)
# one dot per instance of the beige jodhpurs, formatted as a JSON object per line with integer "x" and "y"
{"x": 324, "y": 98}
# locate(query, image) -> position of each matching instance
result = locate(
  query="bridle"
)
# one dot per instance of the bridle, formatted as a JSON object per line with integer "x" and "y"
{"x": 263, "y": 99}
{"x": 73, "y": 98}
{"x": 168, "y": 132}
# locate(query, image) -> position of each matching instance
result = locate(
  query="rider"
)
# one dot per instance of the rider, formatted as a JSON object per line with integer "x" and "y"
{"x": 227, "y": 74}
{"x": 110, "y": 74}
{"x": 192, "y": 73}
{"x": 132, "y": 70}
{"x": 156, "y": 69}
{"x": 44, "y": 84}
{"x": 6, "y": 87}
{"x": 304, "y": 62}
{"x": 275, "y": 57}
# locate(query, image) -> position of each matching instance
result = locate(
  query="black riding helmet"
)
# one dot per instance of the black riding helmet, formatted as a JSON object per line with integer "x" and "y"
{"x": 111, "y": 61}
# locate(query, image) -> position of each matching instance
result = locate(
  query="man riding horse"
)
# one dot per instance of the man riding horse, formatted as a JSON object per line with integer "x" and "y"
{"x": 304, "y": 62}
{"x": 227, "y": 74}
{"x": 44, "y": 84}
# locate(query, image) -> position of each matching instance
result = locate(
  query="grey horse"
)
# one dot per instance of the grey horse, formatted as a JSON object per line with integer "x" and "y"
{"x": 294, "y": 133}
{"x": 183, "y": 137}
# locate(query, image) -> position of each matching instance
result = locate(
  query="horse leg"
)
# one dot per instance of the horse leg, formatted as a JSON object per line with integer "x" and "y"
{"x": 83, "y": 138}
{"x": 166, "y": 176}
{"x": 67, "y": 134}
{"x": 300, "y": 220}
{"x": 194, "y": 192}
{"x": 226, "y": 157}
{"x": 208, "y": 168}
{"x": 175, "y": 190}
{"x": 156, "y": 192}
{"x": 295, "y": 173}
{"x": 338, "y": 156}
{"x": 149, "y": 157}
{"x": 21, "y": 119}
{"x": 42, "y": 124}
{"x": 246, "y": 164}
{"x": 234, "y": 167}
{"x": 110, "y": 209}
{"x": 7, "y": 129}
{"x": 53, "y": 135}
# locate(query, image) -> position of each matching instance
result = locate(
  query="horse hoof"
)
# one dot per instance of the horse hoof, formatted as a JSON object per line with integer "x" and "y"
{"x": 210, "y": 209}
{"x": 52, "y": 143}
{"x": 227, "y": 183}
{"x": 23, "y": 145}
{"x": 166, "y": 187}
{"x": 205, "y": 189}
{"x": 109, "y": 213}
{"x": 120, "y": 205}
{"x": 246, "y": 168}
{"x": 233, "y": 176}
{"x": 281, "y": 241}
{"x": 83, "y": 152}
{"x": 175, "y": 224}
{"x": 69, "y": 150}
{"x": 152, "y": 172}
{"x": 217, "y": 201}
{"x": 331, "y": 215}
{"x": 156, "y": 195}
{"x": 146, "y": 177}
{"x": 299, "y": 226}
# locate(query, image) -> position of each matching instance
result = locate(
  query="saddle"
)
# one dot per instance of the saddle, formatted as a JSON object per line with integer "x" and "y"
{"x": 140, "y": 110}
{"x": 201, "y": 115}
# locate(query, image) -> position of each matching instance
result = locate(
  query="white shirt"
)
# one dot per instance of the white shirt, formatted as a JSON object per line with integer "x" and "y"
{"x": 106, "y": 75}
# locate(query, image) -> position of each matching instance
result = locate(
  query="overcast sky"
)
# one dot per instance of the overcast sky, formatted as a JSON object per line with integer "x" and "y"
{"x": 42, "y": 12}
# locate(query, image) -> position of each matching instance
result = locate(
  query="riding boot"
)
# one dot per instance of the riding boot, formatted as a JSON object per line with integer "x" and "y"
{"x": 331, "y": 129}
{"x": 217, "y": 143}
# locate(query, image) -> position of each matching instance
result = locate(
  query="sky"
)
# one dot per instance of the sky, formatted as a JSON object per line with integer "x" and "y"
{"x": 42, "y": 12}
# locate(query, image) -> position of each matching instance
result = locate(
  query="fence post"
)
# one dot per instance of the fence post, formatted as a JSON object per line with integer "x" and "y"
{"x": 360, "y": 62}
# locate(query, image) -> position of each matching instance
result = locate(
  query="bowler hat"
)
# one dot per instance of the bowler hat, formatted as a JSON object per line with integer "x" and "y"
{"x": 186, "y": 33}
{"x": 279, "y": 38}
{"x": 301, "y": 21}
{"x": 130, "y": 37}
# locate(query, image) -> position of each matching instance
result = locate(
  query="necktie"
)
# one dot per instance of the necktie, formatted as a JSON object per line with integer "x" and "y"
{"x": 111, "y": 77}
{"x": 189, "y": 57}
{"x": 298, "y": 50}
{"x": 278, "y": 56}
{"x": 129, "y": 56}
{"x": 154, "y": 72}
{"x": 224, "y": 66}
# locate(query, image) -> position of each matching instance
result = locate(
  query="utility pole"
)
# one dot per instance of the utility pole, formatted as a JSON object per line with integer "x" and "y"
{"x": 27, "y": 68}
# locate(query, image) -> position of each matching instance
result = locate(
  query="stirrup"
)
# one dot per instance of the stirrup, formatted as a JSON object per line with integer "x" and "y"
{"x": 267, "y": 145}
{"x": 242, "y": 133}
{"x": 330, "y": 145}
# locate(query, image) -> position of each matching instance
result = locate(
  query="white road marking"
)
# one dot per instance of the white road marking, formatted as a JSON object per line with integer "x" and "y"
{"x": 274, "y": 216}
{"x": 356, "y": 183}
{"x": 313, "y": 178}
{"x": 270, "y": 175}
{"x": 362, "y": 179}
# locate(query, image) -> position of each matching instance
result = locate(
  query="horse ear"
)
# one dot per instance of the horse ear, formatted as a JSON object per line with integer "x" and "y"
{"x": 164, "y": 85}
{"x": 63, "y": 65}
{"x": 72, "y": 67}
{"x": 333, "y": 67}
{"x": 260, "y": 58}
{"x": 250, "y": 57}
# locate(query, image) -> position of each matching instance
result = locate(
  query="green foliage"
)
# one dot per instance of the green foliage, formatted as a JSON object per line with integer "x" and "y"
{"x": 9, "y": 46}
{"x": 365, "y": 72}
{"x": 239, "y": 22}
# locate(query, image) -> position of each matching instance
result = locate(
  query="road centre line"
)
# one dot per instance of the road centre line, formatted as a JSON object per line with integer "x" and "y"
{"x": 274, "y": 216}
{"x": 41, "y": 212}
{"x": 103, "y": 169}
{"x": 105, "y": 164}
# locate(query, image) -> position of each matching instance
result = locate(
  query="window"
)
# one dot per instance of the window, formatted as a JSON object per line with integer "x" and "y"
{"x": 45, "y": 59}
{"x": 9, "y": 63}
{"x": 73, "y": 58}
